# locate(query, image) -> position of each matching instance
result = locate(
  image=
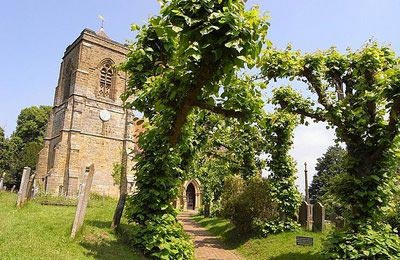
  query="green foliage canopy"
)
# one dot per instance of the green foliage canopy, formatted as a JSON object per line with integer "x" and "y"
{"x": 31, "y": 123}
{"x": 23, "y": 146}
{"x": 331, "y": 164}
{"x": 279, "y": 134}
{"x": 230, "y": 147}
{"x": 359, "y": 95}
{"x": 330, "y": 169}
{"x": 187, "y": 57}
{"x": 3, "y": 146}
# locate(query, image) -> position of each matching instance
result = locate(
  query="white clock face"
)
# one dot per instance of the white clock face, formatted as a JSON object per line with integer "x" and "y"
{"x": 105, "y": 115}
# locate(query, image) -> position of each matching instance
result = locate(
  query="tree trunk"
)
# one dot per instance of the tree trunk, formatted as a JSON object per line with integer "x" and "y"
{"x": 123, "y": 186}
{"x": 123, "y": 192}
{"x": 206, "y": 212}
{"x": 118, "y": 211}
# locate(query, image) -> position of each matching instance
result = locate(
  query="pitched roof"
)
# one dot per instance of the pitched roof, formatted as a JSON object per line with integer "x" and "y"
{"x": 101, "y": 33}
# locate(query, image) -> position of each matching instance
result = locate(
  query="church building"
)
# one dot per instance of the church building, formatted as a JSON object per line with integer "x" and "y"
{"x": 89, "y": 124}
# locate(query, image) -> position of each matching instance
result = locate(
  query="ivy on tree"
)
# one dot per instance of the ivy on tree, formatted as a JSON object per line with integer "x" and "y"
{"x": 358, "y": 94}
{"x": 279, "y": 130}
{"x": 187, "y": 57}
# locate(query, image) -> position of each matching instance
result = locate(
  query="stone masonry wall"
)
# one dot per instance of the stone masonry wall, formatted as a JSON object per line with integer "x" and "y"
{"x": 76, "y": 136}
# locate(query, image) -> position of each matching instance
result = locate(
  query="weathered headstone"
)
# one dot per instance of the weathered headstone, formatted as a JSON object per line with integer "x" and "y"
{"x": 35, "y": 188}
{"x": 13, "y": 188}
{"x": 318, "y": 217}
{"x": 305, "y": 218}
{"x": 83, "y": 199}
{"x": 2, "y": 181}
{"x": 23, "y": 187}
{"x": 29, "y": 189}
{"x": 339, "y": 222}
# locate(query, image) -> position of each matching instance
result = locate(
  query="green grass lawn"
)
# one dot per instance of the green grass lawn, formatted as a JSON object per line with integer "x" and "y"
{"x": 43, "y": 232}
{"x": 280, "y": 246}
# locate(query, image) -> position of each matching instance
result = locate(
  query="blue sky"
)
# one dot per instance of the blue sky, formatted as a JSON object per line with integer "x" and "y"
{"x": 34, "y": 35}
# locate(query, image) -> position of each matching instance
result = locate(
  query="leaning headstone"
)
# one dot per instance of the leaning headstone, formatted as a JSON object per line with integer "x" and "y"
{"x": 305, "y": 218}
{"x": 23, "y": 187}
{"x": 83, "y": 199}
{"x": 318, "y": 217}
{"x": 13, "y": 188}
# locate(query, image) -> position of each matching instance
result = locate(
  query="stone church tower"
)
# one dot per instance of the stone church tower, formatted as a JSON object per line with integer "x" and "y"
{"x": 88, "y": 123}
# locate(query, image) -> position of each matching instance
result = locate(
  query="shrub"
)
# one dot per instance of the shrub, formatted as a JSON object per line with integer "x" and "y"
{"x": 367, "y": 243}
{"x": 393, "y": 215}
{"x": 216, "y": 209}
{"x": 276, "y": 226}
{"x": 247, "y": 203}
{"x": 232, "y": 188}
{"x": 166, "y": 240}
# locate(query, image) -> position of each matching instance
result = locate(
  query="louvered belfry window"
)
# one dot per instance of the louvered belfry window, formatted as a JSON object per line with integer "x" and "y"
{"x": 106, "y": 74}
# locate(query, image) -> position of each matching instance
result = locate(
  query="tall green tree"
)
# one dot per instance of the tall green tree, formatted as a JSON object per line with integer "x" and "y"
{"x": 26, "y": 141}
{"x": 279, "y": 131}
{"x": 2, "y": 137}
{"x": 358, "y": 94}
{"x": 329, "y": 165}
{"x": 330, "y": 168}
{"x": 186, "y": 58}
{"x": 3, "y": 151}
{"x": 31, "y": 123}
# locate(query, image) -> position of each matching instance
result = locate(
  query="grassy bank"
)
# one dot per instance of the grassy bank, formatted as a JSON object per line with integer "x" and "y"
{"x": 42, "y": 232}
{"x": 280, "y": 246}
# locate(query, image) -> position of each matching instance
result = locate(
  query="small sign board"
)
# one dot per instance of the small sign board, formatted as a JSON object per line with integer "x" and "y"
{"x": 304, "y": 241}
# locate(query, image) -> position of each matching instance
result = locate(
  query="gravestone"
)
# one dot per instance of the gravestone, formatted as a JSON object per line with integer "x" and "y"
{"x": 83, "y": 199}
{"x": 318, "y": 217}
{"x": 35, "y": 188}
{"x": 339, "y": 222}
{"x": 23, "y": 187}
{"x": 305, "y": 218}
{"x": 29, "y": 192}
{"x": 2, "y": 181}
{"x": 13, "y": 188}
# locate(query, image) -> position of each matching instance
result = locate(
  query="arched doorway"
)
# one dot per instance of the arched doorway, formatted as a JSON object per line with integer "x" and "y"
{"x": 190, "y": 197}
